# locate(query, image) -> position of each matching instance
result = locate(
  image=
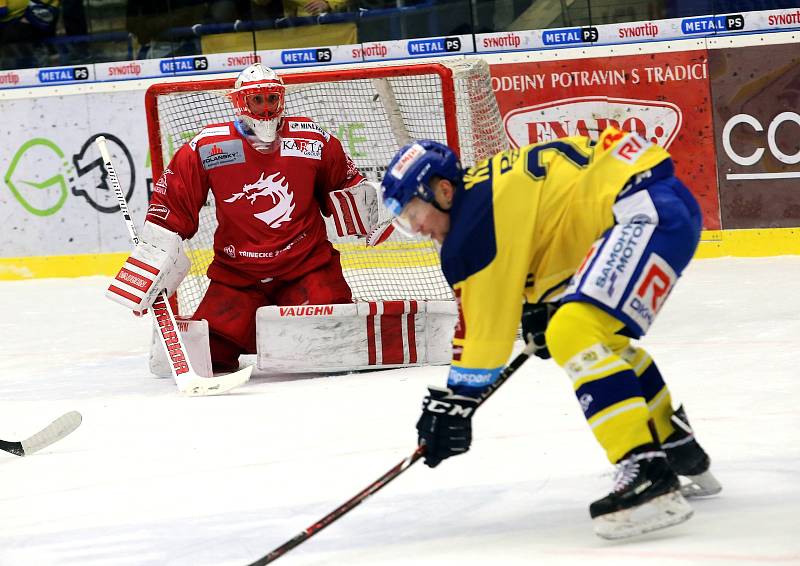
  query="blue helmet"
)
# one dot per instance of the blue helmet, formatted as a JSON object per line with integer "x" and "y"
{"x": 411, "y": 169}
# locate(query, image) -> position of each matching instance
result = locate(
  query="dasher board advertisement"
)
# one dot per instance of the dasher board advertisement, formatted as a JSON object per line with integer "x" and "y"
{"x": 663, "y": 97}
{"x": 54, "y": 194}
{"x": 757, "y": 122}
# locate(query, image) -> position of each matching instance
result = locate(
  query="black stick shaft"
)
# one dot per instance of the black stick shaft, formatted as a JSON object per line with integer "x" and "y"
{"x": 12, "y": 447}
{"x": 386, "y": 478}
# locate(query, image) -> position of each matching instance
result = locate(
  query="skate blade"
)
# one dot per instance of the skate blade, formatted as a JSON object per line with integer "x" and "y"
{"x": 663, "y": 511}
{"x": 701, "y": 485}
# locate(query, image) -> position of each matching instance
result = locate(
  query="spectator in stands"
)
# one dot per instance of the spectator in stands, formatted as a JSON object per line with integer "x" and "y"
{"x": 308, "y": 7}
{"x": 222, "y": 11}
{"x": 73, "y": 16}
{"x": 154, "y": 22}
{"x": 171, "y": 29}
{"x": 23, "y": 26}
{"x": 228, "y": 11}
{"x": 27, "y": 20}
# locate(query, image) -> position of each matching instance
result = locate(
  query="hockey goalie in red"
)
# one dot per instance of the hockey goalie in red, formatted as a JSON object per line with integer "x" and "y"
{"x": 271, "y": 176}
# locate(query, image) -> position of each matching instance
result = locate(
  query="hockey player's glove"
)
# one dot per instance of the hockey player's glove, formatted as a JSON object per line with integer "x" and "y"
{"x": 445, "y": 426}
{"x": 535, "y": 318}
{"x": 157, "y": 263}
{"x": 354, "y": 210}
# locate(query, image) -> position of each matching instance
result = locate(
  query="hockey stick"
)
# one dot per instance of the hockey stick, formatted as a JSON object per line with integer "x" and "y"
{"x": 186, "y": 378}
{"x": 53, "y": 432}
{"x": 384, "y": 480}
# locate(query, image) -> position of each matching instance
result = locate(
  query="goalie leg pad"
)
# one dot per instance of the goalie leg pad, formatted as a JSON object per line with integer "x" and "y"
{"x": 347, "y": 337}
{"x": 231, "y": 311}
{"x": 195, "y": 337}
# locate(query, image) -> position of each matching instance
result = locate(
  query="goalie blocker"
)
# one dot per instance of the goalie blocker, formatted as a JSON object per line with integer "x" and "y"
{"x": 320, "y": 338}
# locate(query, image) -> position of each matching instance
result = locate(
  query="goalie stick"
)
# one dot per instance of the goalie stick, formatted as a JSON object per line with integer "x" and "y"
{"x": 186, "y": 378}
{"x": 384, "y": 480}
{"x": 53, "y": 432}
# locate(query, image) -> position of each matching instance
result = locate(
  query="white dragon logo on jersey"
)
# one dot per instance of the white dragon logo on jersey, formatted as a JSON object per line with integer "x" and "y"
{"x": 275, "y": 188}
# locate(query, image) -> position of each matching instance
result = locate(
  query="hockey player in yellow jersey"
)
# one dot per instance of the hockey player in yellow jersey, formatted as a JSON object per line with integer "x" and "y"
{"x": 582, "y": 241}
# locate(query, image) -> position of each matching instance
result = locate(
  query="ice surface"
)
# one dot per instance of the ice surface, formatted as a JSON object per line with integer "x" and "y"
{"x": 153, "y": 478}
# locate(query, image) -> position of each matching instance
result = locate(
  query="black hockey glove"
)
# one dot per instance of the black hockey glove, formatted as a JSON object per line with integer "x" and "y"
{"x": 535, "y": 318}
{"x": 445, "y": 426}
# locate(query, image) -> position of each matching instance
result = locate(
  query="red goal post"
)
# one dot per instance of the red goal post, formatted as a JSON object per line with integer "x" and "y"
{"x": 373, "y": 111}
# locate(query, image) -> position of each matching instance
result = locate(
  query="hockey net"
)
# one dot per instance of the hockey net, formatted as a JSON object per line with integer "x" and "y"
{"x": 373, "y": 111}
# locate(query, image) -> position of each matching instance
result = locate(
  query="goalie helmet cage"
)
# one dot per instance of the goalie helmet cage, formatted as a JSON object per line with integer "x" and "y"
{"x": 373, "y": 111}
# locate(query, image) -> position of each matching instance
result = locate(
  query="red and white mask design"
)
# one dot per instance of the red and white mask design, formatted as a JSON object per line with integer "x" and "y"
{"x": 258, "y": 99}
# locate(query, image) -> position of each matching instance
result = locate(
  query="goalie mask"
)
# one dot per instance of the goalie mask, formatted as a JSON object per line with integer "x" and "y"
{"x": 258, "y": 97}
{"x": 409, "y": 175}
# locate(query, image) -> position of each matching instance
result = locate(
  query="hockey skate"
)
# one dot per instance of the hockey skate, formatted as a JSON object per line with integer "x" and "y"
{"x": 646, "y": 497}
{"x": 688, "y": 459}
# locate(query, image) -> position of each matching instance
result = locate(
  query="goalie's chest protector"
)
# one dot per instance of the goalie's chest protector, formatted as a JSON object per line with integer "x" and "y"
{"x": 266, "y": 203}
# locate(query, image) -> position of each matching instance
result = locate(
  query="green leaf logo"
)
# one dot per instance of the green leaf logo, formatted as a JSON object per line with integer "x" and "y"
{"x": 48, "y": 194}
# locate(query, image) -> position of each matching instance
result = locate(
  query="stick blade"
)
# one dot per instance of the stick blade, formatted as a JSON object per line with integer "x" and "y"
{"x": 196, "y": 386}
{"x": 53, "y": 432}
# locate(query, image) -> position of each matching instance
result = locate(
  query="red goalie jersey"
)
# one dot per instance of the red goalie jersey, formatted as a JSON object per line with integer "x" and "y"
{"x": 268, "y": 204}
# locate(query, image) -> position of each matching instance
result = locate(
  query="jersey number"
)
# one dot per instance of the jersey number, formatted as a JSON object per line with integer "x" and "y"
{"x": 567, "y": 150}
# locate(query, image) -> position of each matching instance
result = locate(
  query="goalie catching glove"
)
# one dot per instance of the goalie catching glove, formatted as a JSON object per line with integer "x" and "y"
{"x": 445, "y": 426}
{"x": 157, "y": 263}
{"x": 354, "y": 209}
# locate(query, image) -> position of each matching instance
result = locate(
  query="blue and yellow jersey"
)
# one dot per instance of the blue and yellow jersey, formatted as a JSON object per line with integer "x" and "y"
{"x": 520, "y": 229}
{"x": 11, "y": 10}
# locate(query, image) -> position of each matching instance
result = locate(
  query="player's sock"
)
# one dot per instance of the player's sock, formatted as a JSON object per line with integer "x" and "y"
{"x": 646, "y": 496}
{"x": 654, "y": 390}
{"x": 687, "y": 458}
